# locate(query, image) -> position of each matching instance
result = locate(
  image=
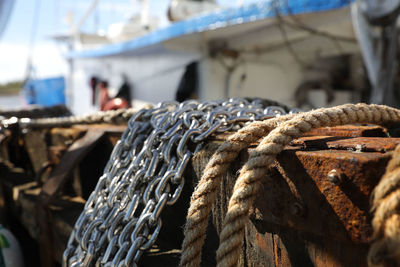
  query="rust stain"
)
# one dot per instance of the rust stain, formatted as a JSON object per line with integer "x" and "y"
{"x": 262, "y": 242}
{"x": 337, "y": 210}
{"x": 350, "y": 199}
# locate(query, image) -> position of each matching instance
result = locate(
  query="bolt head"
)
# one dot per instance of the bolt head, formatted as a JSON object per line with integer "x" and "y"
{"x": 297, "y": 209}
{"x": 335, "y": 177}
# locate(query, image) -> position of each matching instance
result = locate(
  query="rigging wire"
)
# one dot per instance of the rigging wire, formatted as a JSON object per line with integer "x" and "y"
{"x": 302, "y": 26}
{"x": 279, "y": 7}
{"x": 288, "y": 44}
{"x": 297, "y": 23}
{"x": 34, "y": 30}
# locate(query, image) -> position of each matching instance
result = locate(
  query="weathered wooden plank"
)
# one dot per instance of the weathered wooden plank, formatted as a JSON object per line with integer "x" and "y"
{"x": 22, "y": 192}
{"x": 37, "y": 112}
{"x": 36, "y": 147}
{"x": 64, "y": 212}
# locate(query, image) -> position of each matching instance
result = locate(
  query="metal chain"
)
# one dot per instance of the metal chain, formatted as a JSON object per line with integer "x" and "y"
{"x": 121, "y": 218}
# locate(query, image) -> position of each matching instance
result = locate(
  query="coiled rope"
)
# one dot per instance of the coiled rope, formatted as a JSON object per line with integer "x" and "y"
{"x": 248, "y": 183}
{"x": 386, "y": 221}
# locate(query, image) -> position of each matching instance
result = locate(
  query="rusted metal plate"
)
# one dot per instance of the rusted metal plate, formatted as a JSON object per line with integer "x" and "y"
{"x": 307, "y": 217}
{"x": 359, "y": 144}
{"x": 302, "y": 195}
{"x": 351, "y": 131}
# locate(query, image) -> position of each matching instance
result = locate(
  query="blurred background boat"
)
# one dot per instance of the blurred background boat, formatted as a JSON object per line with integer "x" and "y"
{"x": 301, "y": 53}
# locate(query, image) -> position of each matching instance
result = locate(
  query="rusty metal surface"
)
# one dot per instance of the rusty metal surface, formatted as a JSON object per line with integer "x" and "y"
{"x": 359, "y": 144}
{"x": 308, "y": 199}
{"x": 326, "y": 191}
{"x": 351, "y": 131}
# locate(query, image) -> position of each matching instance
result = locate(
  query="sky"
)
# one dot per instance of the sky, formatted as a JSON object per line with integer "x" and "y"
{"x": 23, "y": 36}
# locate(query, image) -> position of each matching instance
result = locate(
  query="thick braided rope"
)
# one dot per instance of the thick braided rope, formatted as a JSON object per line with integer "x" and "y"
{"x": 110, "y": 116}
{"x": 206, "y": 191}
{"x": 248, "y": 183}
{"x": 386, "y": 220}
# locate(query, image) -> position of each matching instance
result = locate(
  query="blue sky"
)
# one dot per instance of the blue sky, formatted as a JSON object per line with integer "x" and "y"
{"x": 47, "y": 55}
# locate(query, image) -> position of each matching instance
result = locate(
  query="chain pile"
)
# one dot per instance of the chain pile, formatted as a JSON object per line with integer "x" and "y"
{"x": 121, "y": 218}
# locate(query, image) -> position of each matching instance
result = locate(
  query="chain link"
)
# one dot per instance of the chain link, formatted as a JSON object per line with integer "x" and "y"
{"x": 121, "y": 218}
